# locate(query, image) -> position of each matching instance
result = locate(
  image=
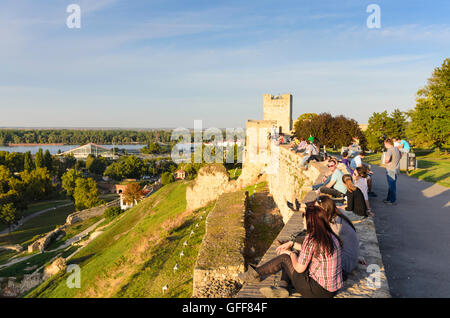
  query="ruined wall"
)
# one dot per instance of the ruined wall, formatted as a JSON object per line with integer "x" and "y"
{"x": 221, "y": 257}
{"x": 80, "y": 216}
{"x": 287, "y": 181}
{"x": 279, "y": 108}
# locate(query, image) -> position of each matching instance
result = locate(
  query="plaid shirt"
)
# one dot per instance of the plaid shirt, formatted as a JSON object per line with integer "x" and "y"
{"x": 324, "y": 269}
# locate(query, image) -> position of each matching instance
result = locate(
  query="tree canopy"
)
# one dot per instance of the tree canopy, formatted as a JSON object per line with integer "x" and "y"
{"x": 430, "y": 119}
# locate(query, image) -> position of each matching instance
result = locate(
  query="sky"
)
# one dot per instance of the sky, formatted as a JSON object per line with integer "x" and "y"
{"x": 163, "y": 64}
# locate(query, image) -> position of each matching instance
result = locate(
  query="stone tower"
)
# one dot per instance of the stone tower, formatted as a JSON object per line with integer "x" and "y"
{"x": 279, "y": 108}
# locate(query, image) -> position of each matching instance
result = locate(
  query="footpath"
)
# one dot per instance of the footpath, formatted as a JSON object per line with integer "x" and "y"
{"x": 414, "y": 236}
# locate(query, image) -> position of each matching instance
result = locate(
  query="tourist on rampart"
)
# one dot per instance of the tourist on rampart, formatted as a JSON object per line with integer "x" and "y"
{"x": 358, "y": 162}
{"x": 346, "y": 162}
{"x": 335, "y": 187}
{"x": 355, "y": 198}
{"x": 392, "y": 162}
{"x": 316, "y": 272}
{"x": 360, "y": 180}
{"x": 342, "y": 227}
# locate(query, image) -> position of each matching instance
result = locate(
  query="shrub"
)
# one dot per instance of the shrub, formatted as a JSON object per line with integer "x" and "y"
{"x": 112, "y": 212}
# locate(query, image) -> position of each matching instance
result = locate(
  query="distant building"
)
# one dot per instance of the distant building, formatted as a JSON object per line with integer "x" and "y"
{"x": 84, "y": 151}
{"x": 363, "y": 127}
{"x": 180, "y": 175}
{"x": 121, "y": 188}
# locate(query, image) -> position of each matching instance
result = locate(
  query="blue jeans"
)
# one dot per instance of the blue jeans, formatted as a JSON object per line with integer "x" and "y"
{"x": 391, "y": 176}
{"x": 317, "y": 186}
{"x": 304, "y": 159}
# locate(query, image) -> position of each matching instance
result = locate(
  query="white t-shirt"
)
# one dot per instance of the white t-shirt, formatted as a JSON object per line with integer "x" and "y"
{"x": 361, "y": 183}
{"x": 356, "y": 162}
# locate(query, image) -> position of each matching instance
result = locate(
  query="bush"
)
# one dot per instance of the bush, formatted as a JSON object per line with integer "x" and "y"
{"x": 112, "y": 212}
{"x": 167, "y": 178}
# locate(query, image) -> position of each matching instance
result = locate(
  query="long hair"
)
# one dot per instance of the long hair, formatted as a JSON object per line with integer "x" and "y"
{"x": 332, "y": 211}
{"x": 362, "y": 172}
{"x": 347, "y": 179}
{"x": 319, "y": 229}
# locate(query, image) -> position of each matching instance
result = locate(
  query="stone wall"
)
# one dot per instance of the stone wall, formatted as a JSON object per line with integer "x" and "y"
{"x": 221, "y": 258}
{"x": 80, "y": 216}
{"x": 41, "y": 244}
{"x": 287, "y": 181}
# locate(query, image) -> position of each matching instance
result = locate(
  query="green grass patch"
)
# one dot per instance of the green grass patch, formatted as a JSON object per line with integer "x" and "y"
{"x": 120, "y": 251}
{"x": 37, "y": 226}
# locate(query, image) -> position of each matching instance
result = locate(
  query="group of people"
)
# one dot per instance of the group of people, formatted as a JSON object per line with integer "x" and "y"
{"x": 306, "y": 147}
{"x": 318, "y": 266}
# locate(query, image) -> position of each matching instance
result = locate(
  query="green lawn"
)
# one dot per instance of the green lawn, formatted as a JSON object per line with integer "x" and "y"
{"x": 432, "y": 167}
{"x": 137, "y": 253}
{"x": 39, "y": 206}
{"x": 37, "y": 226}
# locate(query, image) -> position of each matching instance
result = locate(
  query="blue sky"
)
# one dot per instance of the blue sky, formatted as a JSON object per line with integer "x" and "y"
{"x": 165, "y": 63}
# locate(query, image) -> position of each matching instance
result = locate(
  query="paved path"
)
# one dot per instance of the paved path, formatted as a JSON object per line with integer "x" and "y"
{"x": 29, "y": 217}
{"x": 414, "y": 236}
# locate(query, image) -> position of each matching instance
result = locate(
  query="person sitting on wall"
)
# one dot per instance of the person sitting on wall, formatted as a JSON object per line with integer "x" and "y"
{"x": 301, "y": 146}
{"x": 346, "y": 162}
{"x": 335, "y": 187}
{"x": 345, "y": 229}
{"x": 355, "y": 198}
{"x": 316, "y": 272}
{"x": 358, "y": 162}
{"x": 360, "y": 180}
{"x": 294, "y": 144}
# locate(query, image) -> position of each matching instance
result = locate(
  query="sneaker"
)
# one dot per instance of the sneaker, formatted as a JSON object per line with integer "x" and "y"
{"x": 391, "y": 203}
{"x": 386, "y": 201}
{"x": 250, "y": 276}
{"x": 372, "y": 194}
{"x": 274, "y": 292}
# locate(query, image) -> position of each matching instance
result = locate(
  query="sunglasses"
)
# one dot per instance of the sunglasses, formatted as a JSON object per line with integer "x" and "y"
{"x": 331, "y": 166}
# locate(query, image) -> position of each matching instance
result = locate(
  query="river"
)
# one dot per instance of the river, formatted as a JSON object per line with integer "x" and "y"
{"x": 54, "y": 149}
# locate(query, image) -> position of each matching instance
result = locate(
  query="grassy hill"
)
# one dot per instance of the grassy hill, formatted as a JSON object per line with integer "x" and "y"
{"x": 135, "y": 256}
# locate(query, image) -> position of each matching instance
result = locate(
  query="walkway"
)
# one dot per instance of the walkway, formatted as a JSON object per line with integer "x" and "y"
{"x": 414, "y": 236}
{"x": 31, "y": 216}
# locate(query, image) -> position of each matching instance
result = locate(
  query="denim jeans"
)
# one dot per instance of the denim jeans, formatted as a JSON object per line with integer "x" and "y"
{"x": 304, "y": 159}
{"x": 317, "y": 186}
{"x": 391, "y": 176}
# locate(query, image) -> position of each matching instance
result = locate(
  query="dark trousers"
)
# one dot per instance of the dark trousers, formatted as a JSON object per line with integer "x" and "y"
{"x": 314, "y": 157}
{"x": 304, "y": 284}
{"x": 333, "y": 192}
{"x": 392, "y": 186}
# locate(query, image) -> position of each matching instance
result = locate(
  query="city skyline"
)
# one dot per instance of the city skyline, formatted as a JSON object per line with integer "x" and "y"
{"x": 154, "y": 64}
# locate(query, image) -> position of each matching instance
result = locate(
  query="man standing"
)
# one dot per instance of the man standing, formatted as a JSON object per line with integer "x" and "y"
{"x": 392, "y": 162}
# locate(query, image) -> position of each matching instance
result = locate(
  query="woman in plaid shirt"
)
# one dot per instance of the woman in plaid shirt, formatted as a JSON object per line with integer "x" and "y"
{"x": 316, "y": 272}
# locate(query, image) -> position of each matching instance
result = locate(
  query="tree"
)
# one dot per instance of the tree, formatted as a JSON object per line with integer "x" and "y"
{"x": 430, "y": 119}
{"x": 68, "y": 181}
{"x": 39, "y": 159}
{"x": 328, "y": 130}
{"x": 166, "y": 178}
{"x": 28, "y": 164}
{"x": 152, "y": 148}
{"x": 48, "y": 160}
{"x": 132, "y": 193}
{"x": 37, "y": 184}
{"x": 96, "y": 165}
{"x": 86, "y": 194}
{"x": 8, "y": 214}
{"x": 382, "y": 126}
